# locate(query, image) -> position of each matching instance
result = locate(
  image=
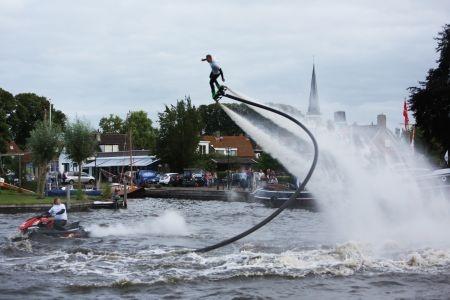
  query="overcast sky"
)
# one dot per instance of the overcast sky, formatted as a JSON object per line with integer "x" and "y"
{"x": 93, "y": 58}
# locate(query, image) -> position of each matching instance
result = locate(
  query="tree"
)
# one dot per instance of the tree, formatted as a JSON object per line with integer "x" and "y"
{"x": 215, "y": 120}
{"x": 7, "y": 104}
{"x": 29, "y": 109}
{"x": 79, "y": 143}
{"x": 266, "y": 161}
{"x": 111, "y": 124}
{"x": 430, "y": 102}
{"x": 178, "y": 135}
{"x": 142, "y": 131}
{"x": 45, "y": 143}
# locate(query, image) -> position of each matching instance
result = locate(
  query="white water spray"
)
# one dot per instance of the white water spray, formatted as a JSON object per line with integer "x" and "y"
{"x": 170, "y": 223}
{"x": 359, "y": 184}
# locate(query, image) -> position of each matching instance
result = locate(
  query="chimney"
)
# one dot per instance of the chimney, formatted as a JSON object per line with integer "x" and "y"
{"x": 339, "y": 117}
{"x": 381, "y": 120}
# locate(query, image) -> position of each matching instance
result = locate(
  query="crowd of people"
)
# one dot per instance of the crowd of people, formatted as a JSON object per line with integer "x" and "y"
{"x": 245, "y": 178}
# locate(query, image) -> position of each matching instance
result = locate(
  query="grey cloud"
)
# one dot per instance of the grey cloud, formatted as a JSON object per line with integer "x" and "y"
{"x": 99, "y": 57}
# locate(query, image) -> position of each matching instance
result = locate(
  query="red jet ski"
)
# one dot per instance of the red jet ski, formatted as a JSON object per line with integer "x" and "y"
{"x": 44, "y": 225}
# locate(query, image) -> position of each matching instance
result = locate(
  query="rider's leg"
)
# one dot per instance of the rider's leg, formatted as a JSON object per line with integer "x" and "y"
{"x": 212, "y": 82}
{"x": 59, "y": 224}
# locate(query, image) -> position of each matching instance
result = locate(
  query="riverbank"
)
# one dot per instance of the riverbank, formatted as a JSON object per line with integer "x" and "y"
{"x": 14, "y": 202}
{"x": 198, "y": 193}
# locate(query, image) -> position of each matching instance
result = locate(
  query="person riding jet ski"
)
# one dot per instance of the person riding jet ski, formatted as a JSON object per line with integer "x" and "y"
{"x": 216, "y": 71}
{"x": 53, "y": 223}
{"x": 58, "y": 213}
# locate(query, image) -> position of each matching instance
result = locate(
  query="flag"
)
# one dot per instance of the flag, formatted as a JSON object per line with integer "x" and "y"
{"x": 446, "y": 156}
{"x": 405, "y": 115}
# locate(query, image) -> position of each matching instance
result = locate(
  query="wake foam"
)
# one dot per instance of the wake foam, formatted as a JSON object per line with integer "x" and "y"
{"x": 170, "y": 223}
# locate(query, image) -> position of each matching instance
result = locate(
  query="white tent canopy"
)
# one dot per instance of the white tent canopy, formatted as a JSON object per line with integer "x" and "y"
{"x": 122, "y": 161}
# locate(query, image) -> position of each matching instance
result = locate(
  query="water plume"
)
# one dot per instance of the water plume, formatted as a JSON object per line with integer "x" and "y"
{"x": 170, "y": 223}
{"x": 365, "y": 181}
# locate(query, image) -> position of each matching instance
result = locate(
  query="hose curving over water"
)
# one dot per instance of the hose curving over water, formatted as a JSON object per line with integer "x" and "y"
{"x": 226, "y": 92}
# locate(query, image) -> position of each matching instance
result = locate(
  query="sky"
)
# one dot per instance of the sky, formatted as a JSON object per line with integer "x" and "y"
{"x": 94, "y": 58}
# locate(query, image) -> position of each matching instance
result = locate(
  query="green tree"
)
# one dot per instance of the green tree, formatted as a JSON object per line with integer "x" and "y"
{"x": 45, "y": 143}
{"x": 79, "y": 143}
{"x": 111, "y": 124}
{"x": 142, "y": 131}
{"x": 430, "y": 102}
{"x": 29, "y": 109}
{"x": 266, "y": 161}
{"x": 215, "y": 120}
{"x": 7, "y": 105}
{"x": 178, "y": 135}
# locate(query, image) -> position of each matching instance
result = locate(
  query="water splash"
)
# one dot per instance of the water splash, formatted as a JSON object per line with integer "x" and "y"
{"x": 364, "y": 181}
{"x": 170, "y": 223}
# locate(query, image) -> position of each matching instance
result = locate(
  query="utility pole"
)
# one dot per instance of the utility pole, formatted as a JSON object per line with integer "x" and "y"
{"x": 131, "y": 151}
{"x": 228, "y": 167}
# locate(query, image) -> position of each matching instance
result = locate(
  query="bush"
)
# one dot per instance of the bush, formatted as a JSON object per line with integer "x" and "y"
{"x": 79, "y": 194}
{"x": 106, "y": 191}
{"x": 30, "y": 185}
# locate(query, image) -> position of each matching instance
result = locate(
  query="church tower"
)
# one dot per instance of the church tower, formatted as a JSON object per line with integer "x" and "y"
{"x": 313, "y": 108}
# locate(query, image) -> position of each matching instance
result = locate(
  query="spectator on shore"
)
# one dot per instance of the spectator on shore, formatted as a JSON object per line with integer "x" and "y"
{"x": 215, "y": 179}
{"x": 256, "y": 179}
{"x": 208, "y": 178}
{"x": 272, "y": 178}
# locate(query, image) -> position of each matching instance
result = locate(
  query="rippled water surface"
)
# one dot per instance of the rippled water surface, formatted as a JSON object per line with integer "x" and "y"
{"x": 137, "y": 253}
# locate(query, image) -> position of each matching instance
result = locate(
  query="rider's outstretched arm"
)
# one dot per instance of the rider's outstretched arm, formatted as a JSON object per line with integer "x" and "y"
{"x": 221, "y": 74}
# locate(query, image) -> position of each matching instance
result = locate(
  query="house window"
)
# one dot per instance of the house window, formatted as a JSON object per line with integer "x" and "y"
{"x": 109, "y": 148}
{"x": 232, "y": 152}
{"x": 202, "y": 149}
{"x": 220, "y": 151}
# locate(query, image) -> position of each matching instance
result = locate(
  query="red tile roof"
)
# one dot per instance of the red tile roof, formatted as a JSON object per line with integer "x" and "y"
{"x": 242, "y": 143}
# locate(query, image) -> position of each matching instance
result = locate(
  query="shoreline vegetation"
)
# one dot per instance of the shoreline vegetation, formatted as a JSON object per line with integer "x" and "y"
{"x": 8, "y": 197}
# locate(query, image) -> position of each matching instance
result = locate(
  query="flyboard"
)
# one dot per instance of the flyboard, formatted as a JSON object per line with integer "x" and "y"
{"x": 224, "y": 91}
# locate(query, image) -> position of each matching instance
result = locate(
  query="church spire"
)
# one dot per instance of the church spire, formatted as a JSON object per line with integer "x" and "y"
{"x": 313, "y": 108}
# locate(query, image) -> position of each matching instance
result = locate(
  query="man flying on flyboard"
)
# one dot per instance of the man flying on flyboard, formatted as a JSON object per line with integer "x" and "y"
{"x": 216, "y": 71}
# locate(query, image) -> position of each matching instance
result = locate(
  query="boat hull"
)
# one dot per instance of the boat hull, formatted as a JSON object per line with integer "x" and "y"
{"x": 276, "y": 198}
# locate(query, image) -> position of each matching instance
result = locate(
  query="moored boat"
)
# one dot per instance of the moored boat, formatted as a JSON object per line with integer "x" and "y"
{"x": 275, "y": 195}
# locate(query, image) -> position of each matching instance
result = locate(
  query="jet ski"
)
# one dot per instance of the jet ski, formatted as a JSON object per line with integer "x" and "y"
{"x": 43, "y": 224}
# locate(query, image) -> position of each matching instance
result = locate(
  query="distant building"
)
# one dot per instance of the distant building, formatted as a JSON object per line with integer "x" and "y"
{"x": 340, "y": 118}
{"x": 377, "y": 135}
{"x": 114, "y": 151}
{"x": 233, "y": 151}
{"x": 239, "y": 146}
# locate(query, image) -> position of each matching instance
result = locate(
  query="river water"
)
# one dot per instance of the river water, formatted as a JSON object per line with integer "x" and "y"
{"x": 134, "y": 253}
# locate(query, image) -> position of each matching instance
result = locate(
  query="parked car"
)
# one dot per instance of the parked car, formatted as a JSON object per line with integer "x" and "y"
{"x": 72, "y": 177}
{"x": 146, "y": 177}
{"x": 194, "y": 177}
{"x": 169, "y": 178}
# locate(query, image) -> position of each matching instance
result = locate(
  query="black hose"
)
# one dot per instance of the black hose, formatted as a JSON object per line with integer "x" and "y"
{"x": 293, "y": 196}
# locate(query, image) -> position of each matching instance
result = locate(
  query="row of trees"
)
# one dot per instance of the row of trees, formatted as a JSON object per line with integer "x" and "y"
{"x": 430, "y": 102}
{"x": 19, "y": 115}
{"x": 138, "y": 122}
{"x": 46, "y": 142}
{"x": 180, "y": 127}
